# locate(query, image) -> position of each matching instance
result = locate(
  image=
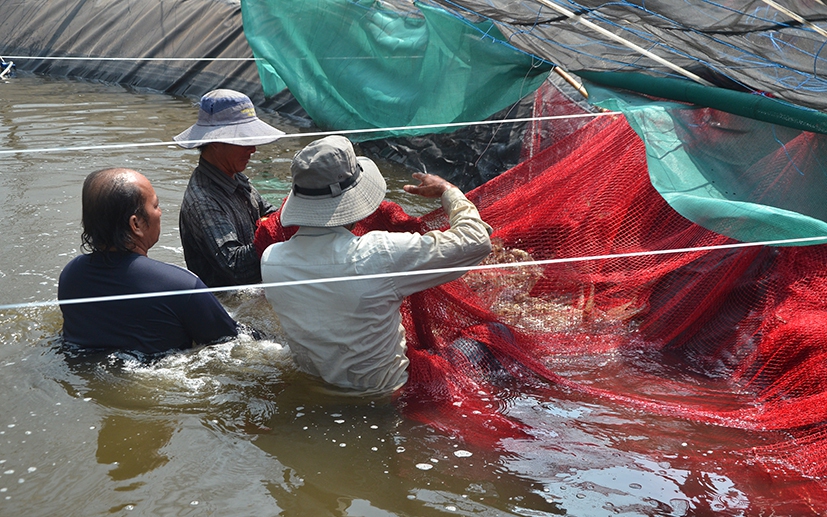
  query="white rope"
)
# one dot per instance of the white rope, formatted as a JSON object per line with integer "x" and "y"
{"x": 94, "y": 58}
{"x": 72, "y": 301}
{"x": 131, "y": 59}
{"x": 8, "y": 67}
{"x": 303, "y": 135}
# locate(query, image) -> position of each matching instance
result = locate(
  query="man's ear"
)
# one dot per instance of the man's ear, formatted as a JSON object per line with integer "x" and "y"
{"x": 135, "y": 224}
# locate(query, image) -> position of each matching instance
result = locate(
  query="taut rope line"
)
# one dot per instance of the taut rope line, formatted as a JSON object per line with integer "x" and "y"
{"x": 305, "y": 135}
{"x": 736, "y": 245}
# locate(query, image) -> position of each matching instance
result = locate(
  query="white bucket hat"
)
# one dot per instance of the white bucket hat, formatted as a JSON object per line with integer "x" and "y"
{"x": 331, "y": 185}
{"x": 227, "y": 116}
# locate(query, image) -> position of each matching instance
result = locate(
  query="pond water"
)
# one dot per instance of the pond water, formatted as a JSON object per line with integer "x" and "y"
{"x": 234, "y": 429}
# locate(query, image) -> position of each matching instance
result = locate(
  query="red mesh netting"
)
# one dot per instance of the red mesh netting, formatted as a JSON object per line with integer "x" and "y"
{"x": 751, "y": 320}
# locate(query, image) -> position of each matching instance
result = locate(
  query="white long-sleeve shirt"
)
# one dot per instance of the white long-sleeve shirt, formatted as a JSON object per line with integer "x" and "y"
{"x": 349, "y": 333}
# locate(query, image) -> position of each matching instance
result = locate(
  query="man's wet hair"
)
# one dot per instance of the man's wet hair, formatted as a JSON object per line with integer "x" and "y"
{"x": 110, "y": 197}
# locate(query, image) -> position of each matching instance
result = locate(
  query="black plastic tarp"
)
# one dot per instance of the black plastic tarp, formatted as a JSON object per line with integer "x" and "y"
{"x": 180, "y": 47}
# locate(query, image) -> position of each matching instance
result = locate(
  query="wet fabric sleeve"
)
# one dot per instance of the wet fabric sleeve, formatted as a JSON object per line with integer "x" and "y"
{"x": 205, "y": 319}
{"x": 214, "y": 249}
{"x": 265, "y": 208}
{"x": 466, "y": 243}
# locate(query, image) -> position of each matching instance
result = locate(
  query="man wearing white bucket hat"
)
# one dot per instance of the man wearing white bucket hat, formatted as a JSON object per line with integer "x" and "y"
{"x": 350, "y": 333}
{"x": 221, "y": 208}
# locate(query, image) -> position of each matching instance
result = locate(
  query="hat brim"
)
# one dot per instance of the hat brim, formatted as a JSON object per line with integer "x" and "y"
{"x": 353, "y": 205}
{"x": 252, "y": 132}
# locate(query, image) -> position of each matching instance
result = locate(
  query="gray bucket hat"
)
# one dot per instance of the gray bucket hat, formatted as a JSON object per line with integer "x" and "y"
{"x": 331, "y": 185}
{"x": 227, "y": 116}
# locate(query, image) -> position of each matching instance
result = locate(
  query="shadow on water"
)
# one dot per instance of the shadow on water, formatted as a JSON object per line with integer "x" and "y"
{"x": 132, "y": 446}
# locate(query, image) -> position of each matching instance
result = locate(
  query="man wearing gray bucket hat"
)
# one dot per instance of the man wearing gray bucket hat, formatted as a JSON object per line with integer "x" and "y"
{"x": 350, "y": 333}
{"x": 221, "y": 208}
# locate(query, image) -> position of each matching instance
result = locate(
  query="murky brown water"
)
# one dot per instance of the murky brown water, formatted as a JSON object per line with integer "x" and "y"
{"x": 234, "y": 430}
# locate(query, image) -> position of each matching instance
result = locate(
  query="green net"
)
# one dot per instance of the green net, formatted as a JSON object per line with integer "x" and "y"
{"x": 366, "y": 64}
{"x": 733, "y": 175}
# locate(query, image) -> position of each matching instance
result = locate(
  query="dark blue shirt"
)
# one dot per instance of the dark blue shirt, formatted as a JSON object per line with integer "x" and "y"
{"x": 148, "y": 325}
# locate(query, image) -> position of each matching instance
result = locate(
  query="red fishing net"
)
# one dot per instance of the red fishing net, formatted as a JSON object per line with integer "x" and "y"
{"x": 750, "y": 322}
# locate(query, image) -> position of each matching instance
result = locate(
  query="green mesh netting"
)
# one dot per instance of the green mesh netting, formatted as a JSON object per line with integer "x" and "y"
{"x": 366, "y": 64}
{"x": 743, "y": 178}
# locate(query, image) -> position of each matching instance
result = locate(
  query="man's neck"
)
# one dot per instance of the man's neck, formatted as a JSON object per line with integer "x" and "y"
{"x": 208, "y": 155}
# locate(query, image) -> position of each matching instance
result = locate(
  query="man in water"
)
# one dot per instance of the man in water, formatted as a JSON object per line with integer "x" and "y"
{"x": 121, "y": 221}
{"x": 221, "y": 208}
{"x": 350, "y": 333}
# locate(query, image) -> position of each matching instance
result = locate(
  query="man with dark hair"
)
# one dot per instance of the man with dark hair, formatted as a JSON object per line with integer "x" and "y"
{"x": 121, "y": 221}
{"x": 221, "y": 209}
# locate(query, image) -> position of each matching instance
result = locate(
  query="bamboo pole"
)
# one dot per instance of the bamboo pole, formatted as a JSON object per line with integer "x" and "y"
{"x": 796, "y": 17}
{"x": 626, "y": 43}
{"x": 572, "y": 81}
